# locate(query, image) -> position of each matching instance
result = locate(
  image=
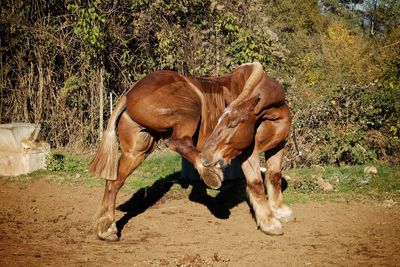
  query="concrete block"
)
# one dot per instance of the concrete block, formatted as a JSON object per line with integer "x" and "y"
{"x": 19, "y": 151}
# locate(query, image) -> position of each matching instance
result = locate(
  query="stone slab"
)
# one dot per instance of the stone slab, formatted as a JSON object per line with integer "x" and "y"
{"x": 19, "y": 151}
{"x": 14, "y": 137}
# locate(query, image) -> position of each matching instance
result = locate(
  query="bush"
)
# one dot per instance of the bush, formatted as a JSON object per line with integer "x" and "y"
{"x": 350, "y": 125}
{"x": 56, "y": 161}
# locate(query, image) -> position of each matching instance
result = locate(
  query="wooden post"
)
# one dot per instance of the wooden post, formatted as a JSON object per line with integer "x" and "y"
{"x": 111, "y": 103}
{"x": 217, "y": 52}
{"x": 39, "y": 98}
{"x": 101, "y": 104}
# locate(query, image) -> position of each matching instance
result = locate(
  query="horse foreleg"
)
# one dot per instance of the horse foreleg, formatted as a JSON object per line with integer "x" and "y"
{"x": 256, "y": 193}
{"x": 270, "y": 138}
{"x": 275, "y": 197}
{"x": 212, "y": 176}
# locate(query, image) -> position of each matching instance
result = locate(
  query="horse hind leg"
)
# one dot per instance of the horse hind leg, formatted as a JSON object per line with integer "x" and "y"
{"x": 105, "y": 226}
{"x": 136, "y": 145}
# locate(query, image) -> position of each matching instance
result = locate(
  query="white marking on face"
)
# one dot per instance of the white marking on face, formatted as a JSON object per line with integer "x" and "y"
{"x": 225, "y": 113}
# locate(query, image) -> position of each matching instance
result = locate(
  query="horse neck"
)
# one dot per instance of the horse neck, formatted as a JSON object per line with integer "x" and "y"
{"x": 213, "y": 105}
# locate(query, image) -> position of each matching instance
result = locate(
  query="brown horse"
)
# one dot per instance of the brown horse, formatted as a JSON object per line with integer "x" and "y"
{"x": 184, "y": 111}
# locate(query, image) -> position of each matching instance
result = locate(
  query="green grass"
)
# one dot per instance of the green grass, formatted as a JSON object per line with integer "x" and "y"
{"x": 70, "y": 169}
{"x": 155, "y": 167}
{"x": 348, "y": 182}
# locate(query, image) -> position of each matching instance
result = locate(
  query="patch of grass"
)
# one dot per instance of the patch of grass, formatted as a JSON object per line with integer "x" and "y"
{"x": 70, "y": 169}
{"x": 155, "y": 167}
{"x": 347, "y": 182}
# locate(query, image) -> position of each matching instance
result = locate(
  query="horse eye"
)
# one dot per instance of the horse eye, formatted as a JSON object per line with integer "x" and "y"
{"x": 233, "y": 124}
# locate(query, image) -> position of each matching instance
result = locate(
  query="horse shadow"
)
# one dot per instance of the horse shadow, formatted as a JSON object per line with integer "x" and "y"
{"x": 144, "y": 198}
{"x": 228, "y": 196}
{"x": 231, "y": 194}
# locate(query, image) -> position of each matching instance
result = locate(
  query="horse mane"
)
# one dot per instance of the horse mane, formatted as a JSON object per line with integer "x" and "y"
{"x": 213, "y": 105}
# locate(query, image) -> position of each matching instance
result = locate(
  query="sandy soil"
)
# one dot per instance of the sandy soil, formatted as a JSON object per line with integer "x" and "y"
{"x": 45, "y": 224}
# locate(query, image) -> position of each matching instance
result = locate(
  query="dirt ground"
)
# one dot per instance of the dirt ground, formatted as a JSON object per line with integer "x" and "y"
{"x": 46, "y": 224}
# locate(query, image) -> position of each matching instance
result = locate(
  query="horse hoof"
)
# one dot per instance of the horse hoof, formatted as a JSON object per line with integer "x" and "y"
{"x": 284, "y": 214}
{"x": 110, "y": 235}
{"x": 273, "y": 227}
{"x": 212, "y": 179}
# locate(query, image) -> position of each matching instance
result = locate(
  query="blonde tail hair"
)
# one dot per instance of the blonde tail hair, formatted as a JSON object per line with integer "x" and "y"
{"x": 105, "y": 162}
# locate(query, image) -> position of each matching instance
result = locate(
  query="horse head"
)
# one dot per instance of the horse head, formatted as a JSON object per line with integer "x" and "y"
{"x": 235, "y": 129}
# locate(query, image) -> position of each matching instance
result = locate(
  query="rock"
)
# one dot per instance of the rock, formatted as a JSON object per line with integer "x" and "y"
{"x": 370, "y": 170}
{"x": 389, "y": 203}
{"x": 324, "y": 185}
{"x": 288, "y": 178}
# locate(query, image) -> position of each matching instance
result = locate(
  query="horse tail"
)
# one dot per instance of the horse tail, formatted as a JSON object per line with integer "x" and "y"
{"x": 105, "y": 162}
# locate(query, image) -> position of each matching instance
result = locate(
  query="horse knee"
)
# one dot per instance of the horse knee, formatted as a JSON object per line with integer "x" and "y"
{"x": 275, "y": 178}
{"x": 257, "y": 187}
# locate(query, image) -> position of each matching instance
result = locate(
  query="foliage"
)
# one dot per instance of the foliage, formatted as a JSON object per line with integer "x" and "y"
{"x": 88, "y": 25}
{"x": 61, "y": 162}
{"x": 344, "y": 54}
{"x": 363, "y": 125}
{"x": 355, "y": 125}
{"x": 55, "y": 162}
{"x": 338, "y": 60}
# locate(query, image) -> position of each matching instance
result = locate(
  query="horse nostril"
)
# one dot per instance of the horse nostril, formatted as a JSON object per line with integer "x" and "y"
{"x": 205, "y": 163}
{"x": 221, "y": 164}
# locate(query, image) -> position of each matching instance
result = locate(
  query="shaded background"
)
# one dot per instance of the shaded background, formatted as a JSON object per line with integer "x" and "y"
{"x": 63, "y": 64}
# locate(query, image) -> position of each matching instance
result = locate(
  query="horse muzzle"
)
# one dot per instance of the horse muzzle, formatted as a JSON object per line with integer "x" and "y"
{"x": 207, "y": 163}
